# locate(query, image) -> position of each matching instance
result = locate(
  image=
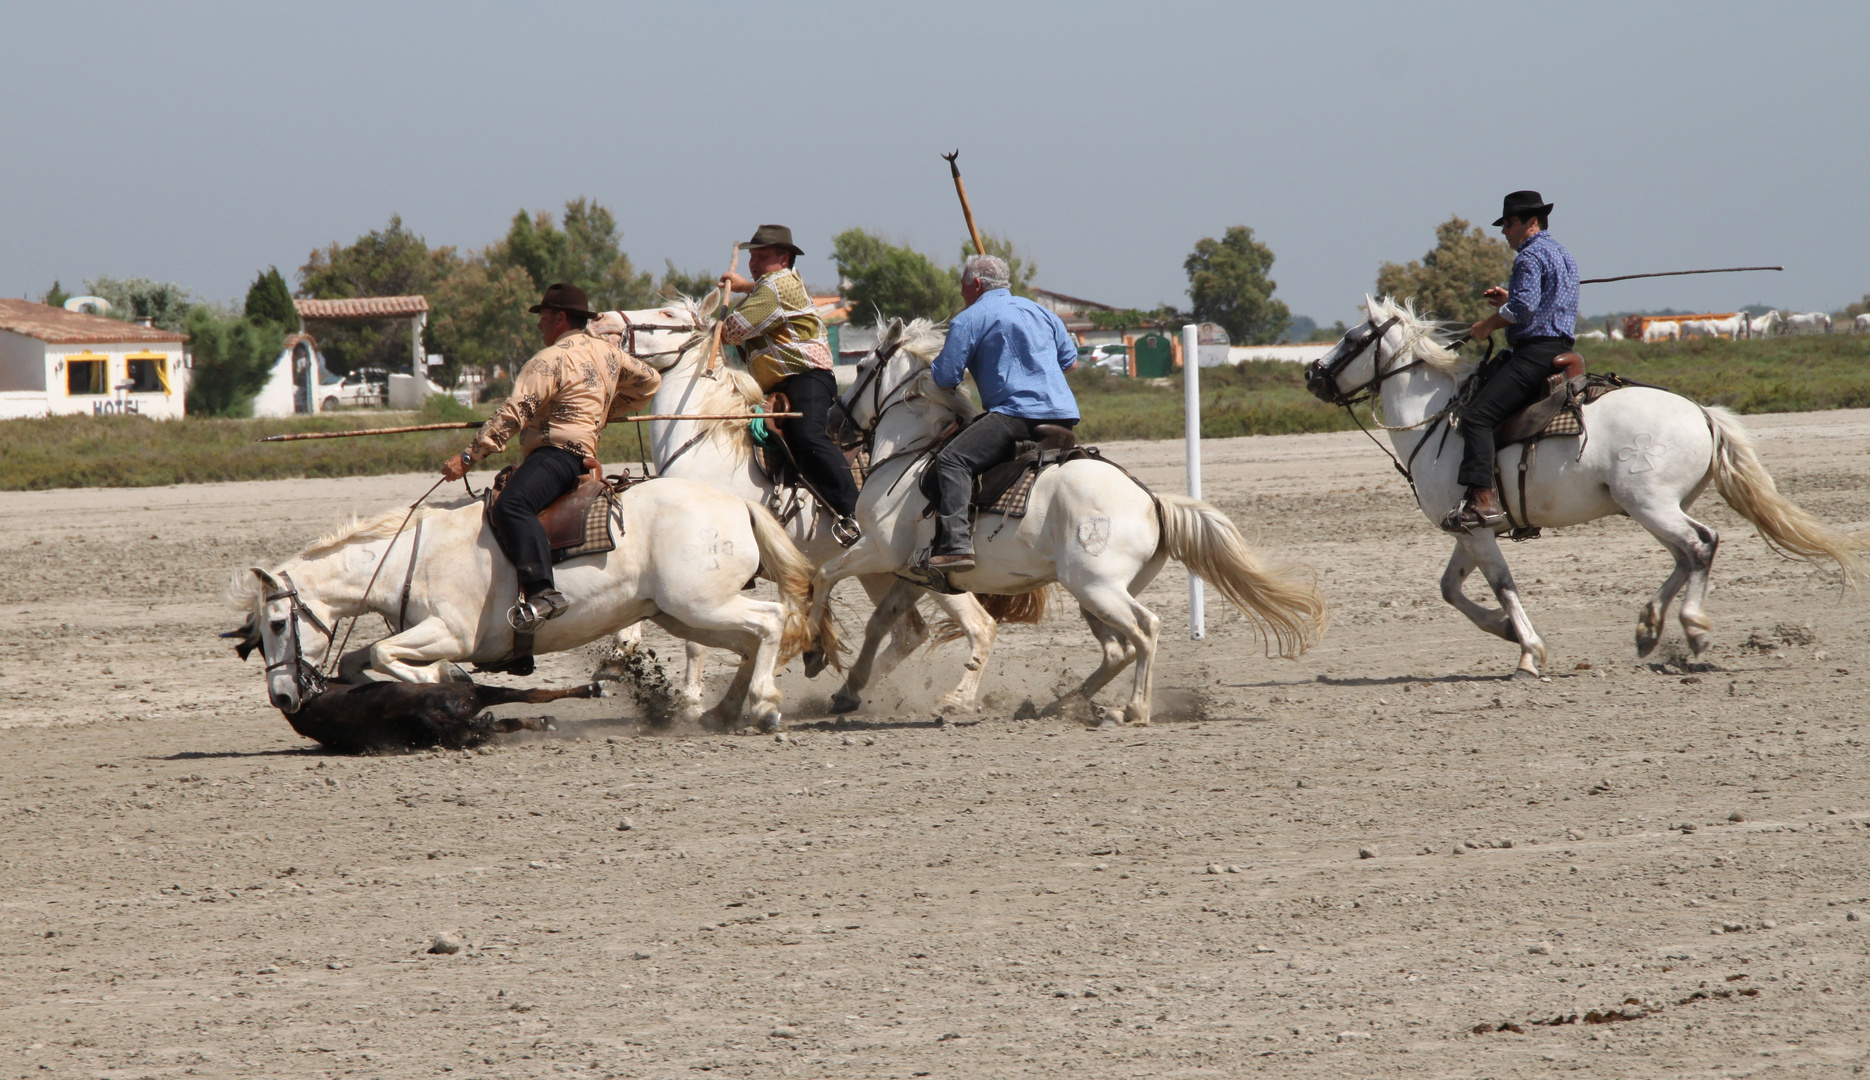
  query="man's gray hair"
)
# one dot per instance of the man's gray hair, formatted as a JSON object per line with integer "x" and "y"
{"x": 987, "y": 271}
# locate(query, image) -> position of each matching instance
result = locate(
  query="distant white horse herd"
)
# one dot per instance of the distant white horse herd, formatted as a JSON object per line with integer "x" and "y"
{"x": 1736, "y": 326}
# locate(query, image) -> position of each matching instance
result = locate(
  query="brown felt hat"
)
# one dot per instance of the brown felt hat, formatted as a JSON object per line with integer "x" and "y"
{"x": 562, "y": 297}
{"x": 772, "y": 236}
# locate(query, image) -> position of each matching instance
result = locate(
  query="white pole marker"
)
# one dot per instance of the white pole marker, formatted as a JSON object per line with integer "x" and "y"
{"x": 1191, "y": 408}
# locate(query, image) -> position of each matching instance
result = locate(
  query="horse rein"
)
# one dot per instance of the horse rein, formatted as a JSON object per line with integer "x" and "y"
{"x": 1350, "y": 399}
{"x": 306, "y": 678}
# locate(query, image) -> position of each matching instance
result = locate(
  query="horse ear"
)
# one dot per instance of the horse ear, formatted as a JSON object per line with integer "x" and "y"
{"x": 266, "y": 579}
{"x": 1370, "y": 305}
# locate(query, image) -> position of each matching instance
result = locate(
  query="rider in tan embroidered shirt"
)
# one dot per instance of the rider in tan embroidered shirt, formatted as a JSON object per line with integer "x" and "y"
{"x": 562, "y": 397}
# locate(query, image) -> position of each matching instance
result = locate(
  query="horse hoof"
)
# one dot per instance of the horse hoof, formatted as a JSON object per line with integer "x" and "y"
{"x": 1646, "y": 643}
{"x": 1108, "y": 719}
{"x": 1523, "y": 675}
{"x": 814, "y": 663}
{"x": 772, "y": 723}
{"x": 842, "y": 702}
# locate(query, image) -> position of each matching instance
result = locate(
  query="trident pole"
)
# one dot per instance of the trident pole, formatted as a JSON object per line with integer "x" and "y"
{"x": 1191, "y": 414}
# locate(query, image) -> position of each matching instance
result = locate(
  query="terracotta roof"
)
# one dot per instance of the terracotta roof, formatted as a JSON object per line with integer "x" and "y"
{"x": 363, "y": 307}
{"x": 57, "y": 326}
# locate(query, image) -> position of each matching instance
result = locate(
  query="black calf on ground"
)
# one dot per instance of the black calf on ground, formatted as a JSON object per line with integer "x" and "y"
{"x": 360, "y": 718}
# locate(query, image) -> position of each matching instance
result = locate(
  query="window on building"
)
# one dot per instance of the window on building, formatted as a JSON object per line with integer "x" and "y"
{"x": 149, "y": 373}
{"x": 87, "y": 373}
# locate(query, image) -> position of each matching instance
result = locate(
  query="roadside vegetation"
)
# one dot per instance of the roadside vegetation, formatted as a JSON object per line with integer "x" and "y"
{"x": 1263, "y": 397}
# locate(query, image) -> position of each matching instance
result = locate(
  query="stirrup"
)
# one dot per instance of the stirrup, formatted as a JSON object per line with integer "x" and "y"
{"x": 1465, "y": 519}
{"x": 532, "y": 612}
{"x": 846, "y": 531}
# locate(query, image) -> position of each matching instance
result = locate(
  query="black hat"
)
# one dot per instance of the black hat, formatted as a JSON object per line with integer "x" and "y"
{"x": 772, "y": 236}
{"x": 1523, "y": 204}
{"x": 562, "y": 297}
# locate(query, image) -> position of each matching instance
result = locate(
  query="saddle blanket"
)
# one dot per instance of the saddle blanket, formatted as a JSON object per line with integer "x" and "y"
{"x": 1567, "y": 410}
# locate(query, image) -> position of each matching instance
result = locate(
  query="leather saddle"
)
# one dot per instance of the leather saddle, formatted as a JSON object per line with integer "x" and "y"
{"x": 564, "y": 519}
{"x": 1052, "y": 446}
{"x": 1561, "y": 392}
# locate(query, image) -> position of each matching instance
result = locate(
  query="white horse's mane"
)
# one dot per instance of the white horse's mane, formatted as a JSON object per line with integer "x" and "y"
{"x": 1425, "y": 334}
{"x": 923, "y": 340}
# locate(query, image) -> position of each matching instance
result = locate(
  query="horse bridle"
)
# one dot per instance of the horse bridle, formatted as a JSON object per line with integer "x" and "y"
{"x": 306, "y": 677}
{"x": 631, "y": 328}
{"x": 1369, "y": 335}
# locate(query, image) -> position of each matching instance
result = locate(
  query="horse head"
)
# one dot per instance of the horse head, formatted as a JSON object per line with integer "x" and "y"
{"x": 1392, "y": 339}
{"x": 292, "y": 639}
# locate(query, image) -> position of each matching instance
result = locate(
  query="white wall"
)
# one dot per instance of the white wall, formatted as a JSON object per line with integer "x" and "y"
{"x": 156, "y": 404}
{"x": 1297, "y": 354}
{"x": 276, "y": 397}
{"x": 22, "y": 363}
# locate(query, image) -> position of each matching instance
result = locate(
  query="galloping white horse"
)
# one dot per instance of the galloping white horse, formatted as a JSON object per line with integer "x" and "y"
{"x": 720, "y": 453}
{"x": 1088, "y": 527}
{"x": 1649, "y": 454}
{"x": 685, "y": 552}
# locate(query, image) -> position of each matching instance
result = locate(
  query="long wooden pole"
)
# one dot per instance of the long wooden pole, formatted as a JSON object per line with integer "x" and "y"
{"x": 966, "y": 210}
{"x": 1678, "y": 273}
{"x": 477, "y": 423}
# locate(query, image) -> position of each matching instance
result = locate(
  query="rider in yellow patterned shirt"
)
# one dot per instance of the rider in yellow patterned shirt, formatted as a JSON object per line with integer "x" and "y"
{"x": 784, "y": 339}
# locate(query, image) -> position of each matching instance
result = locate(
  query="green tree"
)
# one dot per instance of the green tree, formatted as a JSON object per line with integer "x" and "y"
{"x": 1449, "y": 280}
{"x": 585, "y": 251}
{"x": 268, "y": 300}
{"x": 693, "y": 285}
{"x": 479, "y": 318}
{"x": 1228, "y": 285}
{"x": 233, "y": 358}
{"x": 55, "y": 296}
{"x": 1020, "y": 270}
{"x": 133, "y": 299}
{"x": 897, "y": 282}
{"x": 391, "y": 262}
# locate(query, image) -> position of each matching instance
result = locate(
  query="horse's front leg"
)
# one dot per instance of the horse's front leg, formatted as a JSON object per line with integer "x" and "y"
{"x": 864, "y": 557}
{"x": 692, "y": 683}
{"x": 981, "y": 631}
{"x": 900, "y": 597}
{"x": 1492, "y": 620}
{"x": 417, "y": 654}
{"x": 1484, "y": 548}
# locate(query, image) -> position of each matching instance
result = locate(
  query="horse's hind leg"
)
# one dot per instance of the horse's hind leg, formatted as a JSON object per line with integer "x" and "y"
{"x": 981, "y": 630}
{"x": 1692, "y": 544}
{"x": 1137, "y": 629}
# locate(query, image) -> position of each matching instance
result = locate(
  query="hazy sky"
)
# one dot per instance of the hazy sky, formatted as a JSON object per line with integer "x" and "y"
{"x": 199, "y": 143}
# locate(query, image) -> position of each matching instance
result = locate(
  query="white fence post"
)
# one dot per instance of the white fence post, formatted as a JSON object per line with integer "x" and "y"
{"x": 1191, "y": 408}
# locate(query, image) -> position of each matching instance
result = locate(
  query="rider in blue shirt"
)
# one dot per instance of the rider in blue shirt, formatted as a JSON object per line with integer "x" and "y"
{"x": 1018, "y": 353}
{"x": 1539, "y": 311}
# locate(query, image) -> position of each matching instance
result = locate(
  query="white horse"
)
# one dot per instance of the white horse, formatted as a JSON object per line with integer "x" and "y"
{"x": 1594, "y": 335}
{"x": 1662, "y": 330}
{"x": 1728, "y": 327}
{"x": 672, "y": 339}
{"x": 1648, "y": 454}
{"x": 1616, "y": 333}
{"x": 1696, "y": 328}
{"x": 1812, "y": 322}
{"x": 1089, "y": 527}
{"x": 684, "y": 554}
{"x": 1760, "y": 326}
{"x": 1861, "y": 324}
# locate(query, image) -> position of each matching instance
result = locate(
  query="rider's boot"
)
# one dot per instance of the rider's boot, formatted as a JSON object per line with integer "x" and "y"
{"x": 1479, "y": 511}
{"x": 537, "y": 608}
{"x": 952, "y": 564}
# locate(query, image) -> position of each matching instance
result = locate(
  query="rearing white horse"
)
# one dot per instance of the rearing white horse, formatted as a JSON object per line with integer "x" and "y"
{"x": 1647, "y": 453}
{"x": 1088, "y": 527}
{"x": 720, "y": 453}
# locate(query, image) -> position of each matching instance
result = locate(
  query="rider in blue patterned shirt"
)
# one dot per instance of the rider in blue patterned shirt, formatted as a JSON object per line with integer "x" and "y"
{"x": 1539, "y": 311}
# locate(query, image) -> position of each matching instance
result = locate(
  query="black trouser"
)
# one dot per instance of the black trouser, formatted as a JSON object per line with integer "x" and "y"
{"x": 986, "y": 442}
{"x": 547, "y": 473}
{"x": 1519, "y": 379}
{"x": 811, "y": 393}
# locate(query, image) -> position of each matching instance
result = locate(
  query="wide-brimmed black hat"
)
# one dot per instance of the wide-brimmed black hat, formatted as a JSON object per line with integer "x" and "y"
{"x": 562, "y": 297}
{"x": 1523, "y": 204}
{"x": 772, "y": 236}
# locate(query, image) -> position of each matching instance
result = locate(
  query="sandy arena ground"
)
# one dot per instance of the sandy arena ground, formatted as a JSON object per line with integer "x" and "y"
{"x": 189, "y": 889}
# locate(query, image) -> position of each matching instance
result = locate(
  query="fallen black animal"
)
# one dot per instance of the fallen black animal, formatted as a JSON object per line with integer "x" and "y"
{"x": 362, "y": 718}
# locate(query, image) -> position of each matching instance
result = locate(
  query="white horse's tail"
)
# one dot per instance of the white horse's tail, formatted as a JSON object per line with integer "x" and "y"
{"x": 1283, "y": 603}
{"x": 1786, "y": 527}
{"x": 784, "y": 565}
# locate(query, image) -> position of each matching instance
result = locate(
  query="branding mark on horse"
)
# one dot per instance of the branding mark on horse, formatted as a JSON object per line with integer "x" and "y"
{"x": 1094, "y": 535}
{"x": 1642, "y": 456}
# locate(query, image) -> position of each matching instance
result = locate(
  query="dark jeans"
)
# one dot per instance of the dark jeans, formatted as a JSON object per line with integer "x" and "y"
{"x": 547, "y": 473}
{"x": 986, "y": 442}
{"x": 811, "y": 393}
{"x": 1519, "y": 380}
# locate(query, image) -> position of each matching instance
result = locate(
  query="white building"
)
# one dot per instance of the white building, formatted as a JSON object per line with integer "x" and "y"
{"x": 54, "y": 361}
